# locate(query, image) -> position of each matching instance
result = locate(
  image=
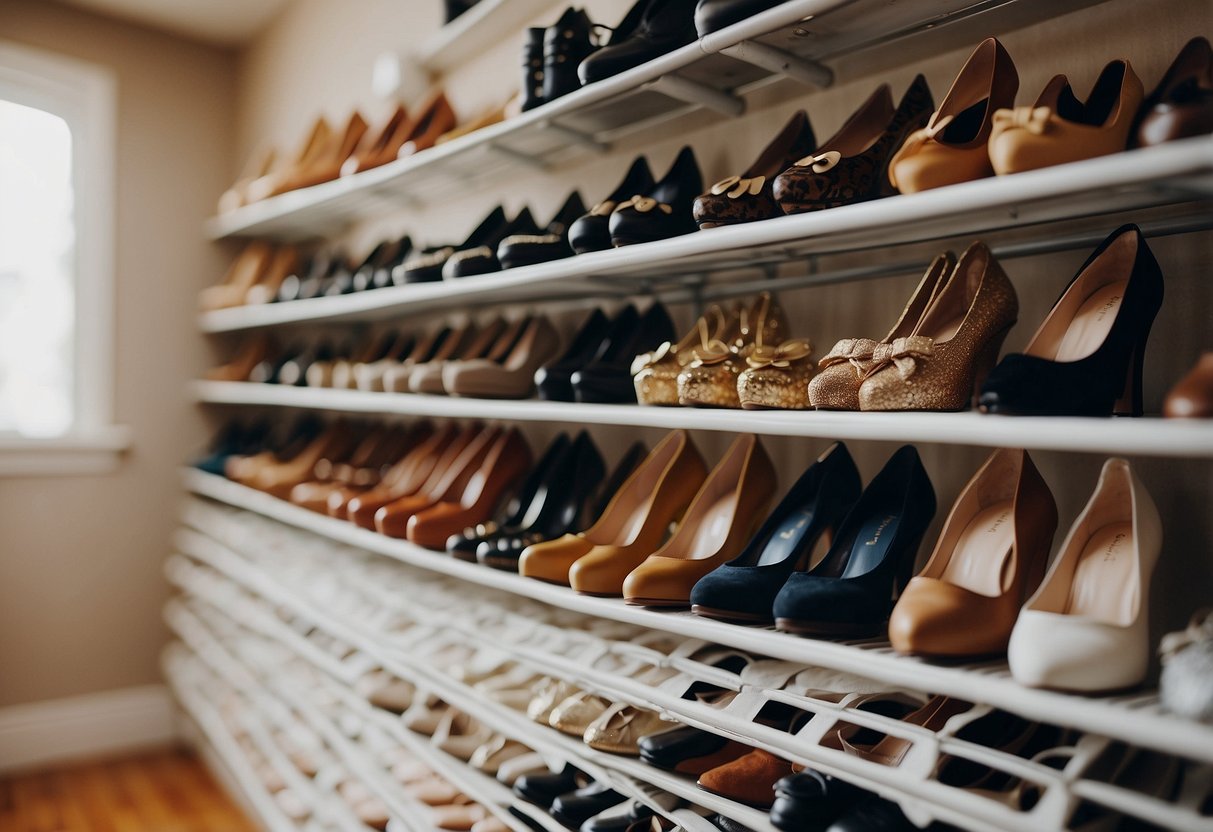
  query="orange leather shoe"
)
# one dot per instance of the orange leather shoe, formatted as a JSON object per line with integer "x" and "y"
{"x": 278, "y": 479}
{"x": 1059, "y": 128}
{"x": 379, "y": 146}
{"x": 252, "y": 353}
{"x": 750, "y": 779}
{"x": 408, "y": 476}
{"x": 841, "y": 371}
{"x": 309, "y": 154}
{"x": 635, "y": 520}
{"x": 944, "y": 362}
{"x": 283, "y": 264}
{"x": 328, "y": 473}
{"x": 445, "y": 485}
{"x": 990, "y": 557}
{"x": 328, "y": 161}
{"x": 245, "y": 271}
{"x": 393, "y": 452}
{"x": 952, "y": 147}
{"x": 502, "y": 469}
{"x": 723, "y": 516}
{"x": 1192, "y": 395}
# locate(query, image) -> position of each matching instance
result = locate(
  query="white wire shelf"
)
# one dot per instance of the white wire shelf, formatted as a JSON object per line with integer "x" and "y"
{"x": 467, "y": 35}
{"x": 715, "y": 74}
{"x": 630, "y": 777}
{"x": 1114, "y": 435}
{"x": 1175, "y": 174}
{"x": 611, "y": 665}
{"x": 1136, "y": 717}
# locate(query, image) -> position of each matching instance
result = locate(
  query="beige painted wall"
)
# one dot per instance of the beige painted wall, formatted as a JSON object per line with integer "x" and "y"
{"x": 318, "y": 59}
{"x": 80, "y": 557}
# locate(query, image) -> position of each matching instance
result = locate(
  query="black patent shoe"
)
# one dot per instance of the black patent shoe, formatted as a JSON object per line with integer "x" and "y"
{"x": 714, "y": 15}
{"x": 573, "y": 809}
{"x": 608, "y": 378}
{"x": 544, "y": 787}
{"x": 532, "y": 69}
{"x": 620, "y": 821}
{"x": 849, "y": 593}
{"x": 554, "y": 381}
{"x": 311, "y": 281}
{"x": 1087, "y": 357}
{"x": 376, "y": 271}
{"x": 530, "y": 247}
{"x": 651, "y": 28}
{"x": 561, "y": 504}
{"x": 744, "y": 589}
{"x": 426, "y": 267}
{"x": 463, "y": 545}
{"x": 873, "y": 815}
{"x": 482, "y": 259}
{"x": 810, "y": 801}
{"x": 566, "y": 44}
{"x": 592, "y": 231}
{"x": 665, "y": 211}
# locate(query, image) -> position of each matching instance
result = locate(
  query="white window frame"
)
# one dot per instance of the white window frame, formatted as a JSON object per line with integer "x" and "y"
{"x": 85, "y": 96}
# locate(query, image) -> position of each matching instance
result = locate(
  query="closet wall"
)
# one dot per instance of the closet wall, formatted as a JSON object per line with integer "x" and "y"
{"x": 308, "y": 63}
{"x": 80, "y": 557}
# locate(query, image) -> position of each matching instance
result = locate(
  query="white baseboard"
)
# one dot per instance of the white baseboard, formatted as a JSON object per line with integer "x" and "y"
{"x": 92, "y": 725}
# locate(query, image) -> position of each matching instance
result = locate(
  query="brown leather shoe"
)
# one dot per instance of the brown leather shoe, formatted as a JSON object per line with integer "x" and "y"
{"x": 501, "y": 469}
{"x": 953, "y": 147}
{"x": 635, "y": 520}
{"x": 326, "y": 166}
{"x": 750, "y": 779}
{"x": 1192, "y": 396}
{"x": 1182, "y": 103}
{"x": 283, "y": 264}
{"x": 402, "y": 136}
{"x": 748, "y": 197}
{"x": 730, "y": 505}
{"x": 278, "y": 479}
{"x": 409, "y": 475}
{"x": 990, "y": 557}
{"x": 245, "y": 271}
{"x": 842, "y": 370}
{"x": 252, "y": 352}
{"x": 953, "y": 348}
{"x": 1059, "y": 128}
{"x": 445, "y": 485}
{"x": 313, "y": 149}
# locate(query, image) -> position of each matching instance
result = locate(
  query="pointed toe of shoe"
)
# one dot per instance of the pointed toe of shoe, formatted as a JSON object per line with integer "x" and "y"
{"x": 665, "y": 582}
{"x": 937, "y": 618}
{"x": 835, "y": 388}
{"x": 484, "y": 379}
{"x": 432, "y": 528}
{"x": 551, "y": 561}
{"x": 603, "y": 384}
{"x": 590, "y": 233}
{"x": 629, "y": 226}
{"x": 1065, "y": 652}
{"x": 601, "y": 571}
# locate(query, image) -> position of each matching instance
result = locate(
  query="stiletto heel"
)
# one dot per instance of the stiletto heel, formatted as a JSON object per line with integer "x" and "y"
{"x": 1130, "y": 402}
{"x": 985, "y": 364}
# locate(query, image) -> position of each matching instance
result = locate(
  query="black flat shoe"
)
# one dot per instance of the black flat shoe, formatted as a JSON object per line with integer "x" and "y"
{"x": 555, "y": 380}
{"x": 561, "y": 504}
{"x": 621, "y": 822}
{"x": 667, "y": 749}
{"x": 592, "y": 231}
{"x": 530, "y": 247}
{"x": 714, "y": 15}
{"x": 376, "y": 271}
{"x": 850, "y": 591}
{"x": 544, "y": 787}
{"x": 873, "y": 815}
{"x": 665, "y": 211}
{"x": 426, "y": 267}
{"x": 650, "y": 29}
{"x": 575, "y": 808}
{"x": 1087, "y": 357}
{"x": 608, "y": 378}
{"x": 744, "y": 589}
{"x": 809, "y": 801}
{"x": 482, "y": 259}
{"x": 566, "y": 43}
{"x": 311, "y": 280}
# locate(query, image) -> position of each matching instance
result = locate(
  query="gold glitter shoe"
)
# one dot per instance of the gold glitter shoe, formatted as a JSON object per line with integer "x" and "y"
{"x": 710, "y": 380}
{"x": 843, "y": 368}
{"x": 655, "y": 373}
{"x": 953, "y": 348}
{"x": 777, "y": 377}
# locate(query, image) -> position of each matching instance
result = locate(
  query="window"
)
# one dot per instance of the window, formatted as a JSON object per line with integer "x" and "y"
{"x": 56, "y": 263}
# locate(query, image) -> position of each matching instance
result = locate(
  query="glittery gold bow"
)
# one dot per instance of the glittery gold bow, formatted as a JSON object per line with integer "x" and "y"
{"x": 821, "y": 162}
{"x": 645, "y": 204}
{"x": 903, "y": 353}
{"x": 736, "y": 187}
{"x": 648, "y": 359}
{"x": 782, "y": 356}
{"x": 712, "y": 350}
{"x": 1033, "y": 119}
{"x": 856, "y": 351}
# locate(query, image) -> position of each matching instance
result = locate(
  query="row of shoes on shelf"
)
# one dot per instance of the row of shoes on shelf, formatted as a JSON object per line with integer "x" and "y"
{"x": 476, "y": 493}
{"x": 942, "y": 354}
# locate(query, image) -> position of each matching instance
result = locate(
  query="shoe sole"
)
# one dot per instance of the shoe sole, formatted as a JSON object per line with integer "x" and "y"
{"x": 829, "y": 629}
{"x": 730, "y": 615}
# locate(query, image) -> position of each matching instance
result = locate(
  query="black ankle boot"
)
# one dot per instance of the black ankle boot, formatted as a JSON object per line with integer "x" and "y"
{"x": 565, "y": 45}
{"x": 532, "y": 69}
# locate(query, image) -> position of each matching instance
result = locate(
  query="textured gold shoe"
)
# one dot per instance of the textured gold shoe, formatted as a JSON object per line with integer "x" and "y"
{"x": 576, "y": 713}
{"x": 620, "y": 727}
{"x": 953, "y": 348}
{"x": 710, "y": 380}
{"x": 655, "y": 373}
{"x": 842, "y": 369}
{"x": 777, "y": 377}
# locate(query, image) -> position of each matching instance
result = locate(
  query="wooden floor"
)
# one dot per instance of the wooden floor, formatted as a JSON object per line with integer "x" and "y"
{"x": 166, "y": 791}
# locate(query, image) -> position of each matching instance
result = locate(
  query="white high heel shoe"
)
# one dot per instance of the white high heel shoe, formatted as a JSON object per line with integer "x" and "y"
{"x": 1086, "y": 628}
